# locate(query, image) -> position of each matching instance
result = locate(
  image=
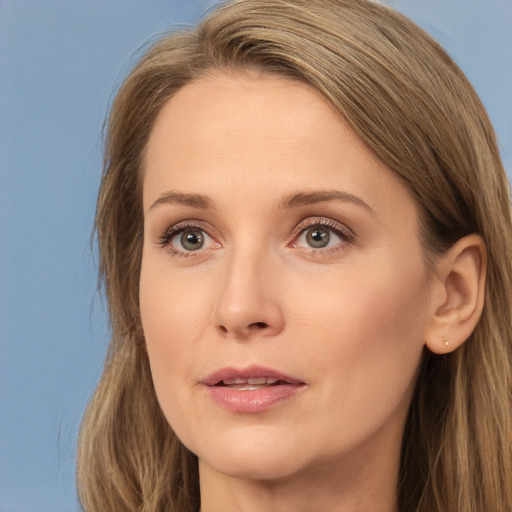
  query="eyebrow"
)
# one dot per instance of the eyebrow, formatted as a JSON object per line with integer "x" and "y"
{"x": 289, "y": 201}
{"x": 305, "y": 198}
{"x": 181, "y": 199}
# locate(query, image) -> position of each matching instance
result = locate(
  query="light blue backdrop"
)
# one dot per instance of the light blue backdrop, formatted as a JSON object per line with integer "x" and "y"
{"x": 60, "y": 63}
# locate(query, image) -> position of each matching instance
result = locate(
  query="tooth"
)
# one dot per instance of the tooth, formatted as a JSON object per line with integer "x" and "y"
{"x": 258, "y": 380}
{"x": 253, "y": 381}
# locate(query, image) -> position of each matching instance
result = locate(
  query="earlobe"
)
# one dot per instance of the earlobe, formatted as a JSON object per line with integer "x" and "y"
{"x": 457, "y": 307}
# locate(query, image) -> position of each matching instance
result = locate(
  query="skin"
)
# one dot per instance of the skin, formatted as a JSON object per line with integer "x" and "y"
{"x": 349, "y": 320}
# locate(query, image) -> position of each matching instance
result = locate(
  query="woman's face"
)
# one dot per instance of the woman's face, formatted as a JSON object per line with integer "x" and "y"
{"x": 283, "y": 291}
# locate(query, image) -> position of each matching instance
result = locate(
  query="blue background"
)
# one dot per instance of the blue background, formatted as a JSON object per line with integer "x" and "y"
{"x": 60, "y": 64}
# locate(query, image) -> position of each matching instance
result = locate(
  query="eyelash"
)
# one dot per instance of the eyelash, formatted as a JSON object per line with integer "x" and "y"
{"x": 346, "y": 235}
{"x": 166, "y": 238}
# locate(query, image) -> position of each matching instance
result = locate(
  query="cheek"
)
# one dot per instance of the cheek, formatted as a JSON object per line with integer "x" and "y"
{"x": 381, "y": 304}
{"x": 173, "y": 306}
{"x": 174, "y": 313}
{"x": 365, "y": 335}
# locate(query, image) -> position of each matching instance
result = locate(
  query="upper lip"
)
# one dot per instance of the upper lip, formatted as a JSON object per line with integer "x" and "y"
{"x": 251, "y": 372}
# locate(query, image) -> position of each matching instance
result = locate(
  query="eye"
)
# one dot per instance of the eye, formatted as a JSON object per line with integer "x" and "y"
{"x": 187, "y": 239}
{"x": 322, "y": 235}
{"x": 190, "y": 240}
{"x": 318, "y": 237}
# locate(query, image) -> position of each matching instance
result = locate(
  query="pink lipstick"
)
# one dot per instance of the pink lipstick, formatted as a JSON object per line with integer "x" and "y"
{"x": 250, "y": 390}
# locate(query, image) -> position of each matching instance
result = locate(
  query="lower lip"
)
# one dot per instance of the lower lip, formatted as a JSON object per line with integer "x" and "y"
{"x": 252, "y": 401}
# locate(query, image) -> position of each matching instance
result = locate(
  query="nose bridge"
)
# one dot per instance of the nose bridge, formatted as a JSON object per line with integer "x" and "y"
{"x": 248, "y": 303}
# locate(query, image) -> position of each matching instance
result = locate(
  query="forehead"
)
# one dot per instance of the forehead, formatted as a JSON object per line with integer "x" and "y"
{"x": 243, "y": 109}
{"x": 258, "y": 134}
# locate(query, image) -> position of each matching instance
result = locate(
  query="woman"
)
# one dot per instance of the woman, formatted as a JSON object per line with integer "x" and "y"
{"x": 304, "y": 230}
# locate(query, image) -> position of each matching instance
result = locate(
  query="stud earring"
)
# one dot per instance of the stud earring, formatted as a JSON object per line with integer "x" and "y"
{"x": 445, "y": 341}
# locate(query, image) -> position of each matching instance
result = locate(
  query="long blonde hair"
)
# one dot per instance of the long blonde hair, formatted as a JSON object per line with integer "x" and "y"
{"x": 414, "y": 108}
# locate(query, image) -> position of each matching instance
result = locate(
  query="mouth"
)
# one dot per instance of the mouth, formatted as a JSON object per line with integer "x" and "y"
{"x": 250, "y": 390}
{"x": 250, "y": 384}
{"x": 253, "y": 377}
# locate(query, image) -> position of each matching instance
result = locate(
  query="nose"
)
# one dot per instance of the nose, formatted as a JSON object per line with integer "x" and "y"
{"x": 248, "y": 304}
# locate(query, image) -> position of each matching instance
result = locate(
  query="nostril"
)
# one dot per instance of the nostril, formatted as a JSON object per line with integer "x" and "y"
{"x": 255, "y": 326}
{"x": 258, "y": 325}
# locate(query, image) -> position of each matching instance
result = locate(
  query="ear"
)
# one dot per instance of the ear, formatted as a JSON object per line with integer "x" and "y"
{"x": 457, "y": 295}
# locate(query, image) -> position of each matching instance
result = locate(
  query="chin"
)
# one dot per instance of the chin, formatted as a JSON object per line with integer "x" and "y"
{"x": 265, "y": 467}
{"x": 252, "y": 457}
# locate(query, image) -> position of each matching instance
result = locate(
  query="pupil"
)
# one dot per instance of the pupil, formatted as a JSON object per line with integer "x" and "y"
{"x": 318, "y": 237}
{"x": 192, "y": 240}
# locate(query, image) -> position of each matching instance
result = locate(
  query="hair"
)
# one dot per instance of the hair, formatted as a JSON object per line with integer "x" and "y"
{"x": 415, "y": 110}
